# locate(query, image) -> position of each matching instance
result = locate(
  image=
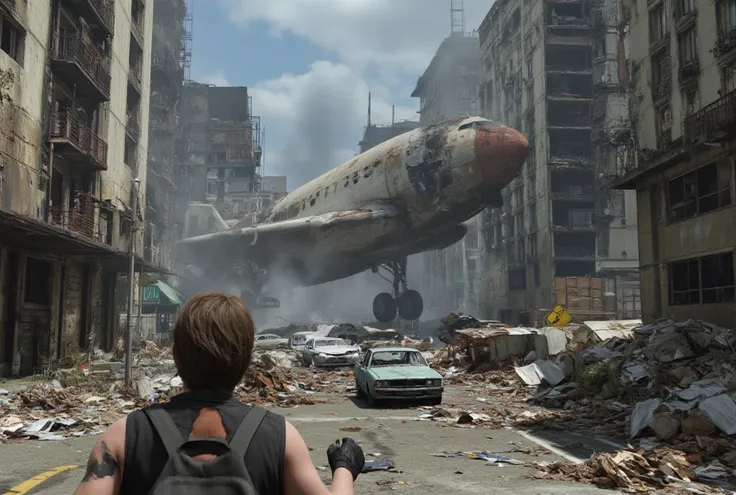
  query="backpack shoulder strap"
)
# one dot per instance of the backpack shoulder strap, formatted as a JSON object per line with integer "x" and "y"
{"x": 165, "y": 427}
{"x": 247, "y": 429}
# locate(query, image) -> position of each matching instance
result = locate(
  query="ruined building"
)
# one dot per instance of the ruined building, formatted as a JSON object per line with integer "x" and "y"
{"x": 74, "y": 85}
{"x": 449, "y": 88}
{"x": 224, "y": 152}
{"x": 683, "y": 70}
{"x": 374, "y": 135}
{"x": 556, "y": 71}
{"x": 170, "y": 60}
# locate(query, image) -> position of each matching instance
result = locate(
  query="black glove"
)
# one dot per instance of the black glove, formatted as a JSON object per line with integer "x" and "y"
{"x": 349, "y": 455}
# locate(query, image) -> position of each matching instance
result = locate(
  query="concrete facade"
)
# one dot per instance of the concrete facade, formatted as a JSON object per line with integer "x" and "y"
{"x": 224, "y": 149}
{"x": 682, "y": 65}
{"x": 541, "y": 75}
{"x": 450, "y": 278}
{"x": 66, "y": 179}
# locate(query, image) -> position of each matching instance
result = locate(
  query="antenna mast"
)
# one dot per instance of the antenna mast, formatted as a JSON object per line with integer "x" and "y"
{"x": 457, "y": 17}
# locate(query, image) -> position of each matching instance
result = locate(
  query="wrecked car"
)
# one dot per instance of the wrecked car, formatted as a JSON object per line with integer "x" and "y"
{"x": 329, "y": 351}
{"x": 270, "y": 341}
{"x": 397, "y": 373}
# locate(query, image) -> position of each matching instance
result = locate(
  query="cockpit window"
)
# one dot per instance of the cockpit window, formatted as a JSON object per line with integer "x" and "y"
{"x": 477, "y": 123}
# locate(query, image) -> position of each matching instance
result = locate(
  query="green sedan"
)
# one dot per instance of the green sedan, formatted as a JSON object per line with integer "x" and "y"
{"x": 396, "y": 373}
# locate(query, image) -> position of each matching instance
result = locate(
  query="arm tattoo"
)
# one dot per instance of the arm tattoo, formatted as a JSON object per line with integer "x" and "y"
{"x": 108, "y": 466}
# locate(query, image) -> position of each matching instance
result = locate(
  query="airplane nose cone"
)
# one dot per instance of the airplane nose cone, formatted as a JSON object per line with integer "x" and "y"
{"x": 500, "y": 152}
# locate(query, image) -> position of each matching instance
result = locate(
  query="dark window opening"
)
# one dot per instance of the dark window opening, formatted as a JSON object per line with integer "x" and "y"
{"x": 11, "y": 39}
{"x": 570, "y": 143}
{"x": 705, "y": 280}
{"x": 517, "y": 279}
{"x": 38, "y": 282}
{"x": 575, "y": 245}
{"x": 568, "y": 113}
{"x": 657, "y": 23}
{"x": 568, "y": 58}
{"x": 701, "y": 191}
{"x": 573, "y": 183}
{"x": 570, "y": 85}
{"x": 568, "y": 268}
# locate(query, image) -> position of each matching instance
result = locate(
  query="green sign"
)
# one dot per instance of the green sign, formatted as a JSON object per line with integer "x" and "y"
{"x": 151, "y": 293}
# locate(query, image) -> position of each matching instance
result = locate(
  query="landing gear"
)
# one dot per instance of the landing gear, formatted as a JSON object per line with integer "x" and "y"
{"x": 409, "y": 303}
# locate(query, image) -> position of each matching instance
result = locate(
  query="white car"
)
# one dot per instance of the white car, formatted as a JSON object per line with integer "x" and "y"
{"x": 270, "y": 341}
{"x": 329, "y": 351}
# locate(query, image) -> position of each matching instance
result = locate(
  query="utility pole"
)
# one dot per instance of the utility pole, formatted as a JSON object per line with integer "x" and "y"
{"x": 131, "y": 289}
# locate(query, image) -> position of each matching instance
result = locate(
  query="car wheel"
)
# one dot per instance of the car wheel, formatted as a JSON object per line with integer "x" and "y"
{"x": 369, "y": 399}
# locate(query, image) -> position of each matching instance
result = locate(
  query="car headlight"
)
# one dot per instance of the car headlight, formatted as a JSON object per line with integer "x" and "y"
{"x": 322, "y": 354}
{"x": 382, "y": 383}
{"x": 434, "y": 383}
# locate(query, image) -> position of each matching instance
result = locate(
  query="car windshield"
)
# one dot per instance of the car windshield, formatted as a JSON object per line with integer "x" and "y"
{"x": 398, "y": 358}
{"x": 330, "y": 343}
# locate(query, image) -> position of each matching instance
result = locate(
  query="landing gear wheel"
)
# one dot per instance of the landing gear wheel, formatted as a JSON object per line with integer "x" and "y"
{"x": 384, "y": 307}
{"x": 411, "y": 305}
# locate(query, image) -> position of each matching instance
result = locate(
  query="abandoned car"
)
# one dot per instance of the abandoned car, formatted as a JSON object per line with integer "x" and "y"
{"x": 329, "y": 351}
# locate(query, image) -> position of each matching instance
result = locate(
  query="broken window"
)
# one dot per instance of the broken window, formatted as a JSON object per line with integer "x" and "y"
{"x": 517, "y": 279}
{"x": 11, "y": 38}
{"x": 657, "y": 24}
{"x": 691, "y": 101}
{"x": 701, "y": 191}
{"x": 683, "y": 7}
{"x": 688, "y": 47}
{"x": 702, "y": 281}
{"x": 726, "y": 17}
{"x": 664, "y": 125}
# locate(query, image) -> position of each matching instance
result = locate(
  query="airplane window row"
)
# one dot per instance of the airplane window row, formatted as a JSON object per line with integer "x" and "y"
{"x": 294, "y": 209}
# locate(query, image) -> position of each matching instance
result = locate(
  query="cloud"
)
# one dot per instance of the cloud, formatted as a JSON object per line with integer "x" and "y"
{"x": 218, "y": 79}
{"x": 316, "y": 119}
{"x": 400, "y": 35}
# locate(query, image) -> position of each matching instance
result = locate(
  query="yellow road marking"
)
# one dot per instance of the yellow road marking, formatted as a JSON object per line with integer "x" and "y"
{"x": 32, "y": 483}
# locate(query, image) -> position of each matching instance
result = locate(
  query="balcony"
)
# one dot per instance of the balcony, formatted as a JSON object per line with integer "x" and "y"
{"x": 134, "y": 78}
{"x": 72, "y": 136}
{"x": 101, "y": 12}
{"x": 689, "y": 72}
{"x": 136, "y": 30}
{"x": 83, "y": 64}
{"x": 132, "y": 127}
{"x": 574, "y": 193}
{"x": 684, "y": 19}
{"x": 713, "y": 123}
{"x": 577, "y": 221}
{"x": 568, "y": 26}
{"x": 725, "y": 42}
{"x": 80, "y": 218}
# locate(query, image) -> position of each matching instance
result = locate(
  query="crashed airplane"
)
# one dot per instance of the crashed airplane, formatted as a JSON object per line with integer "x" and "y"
{"x": 405, "y": 196}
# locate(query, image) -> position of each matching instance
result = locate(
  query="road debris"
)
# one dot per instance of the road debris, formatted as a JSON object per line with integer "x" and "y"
{"x": 490, "y": 458}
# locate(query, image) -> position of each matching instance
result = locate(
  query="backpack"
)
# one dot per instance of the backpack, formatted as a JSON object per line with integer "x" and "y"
{"x": 224, "y": 475}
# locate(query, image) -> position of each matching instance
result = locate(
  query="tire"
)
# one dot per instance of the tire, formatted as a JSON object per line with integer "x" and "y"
{"x": 359, "y": 390}
{"x": 411, "y": 305}
{"x": 370, "y": 401}
{"x": 384, "y": 307}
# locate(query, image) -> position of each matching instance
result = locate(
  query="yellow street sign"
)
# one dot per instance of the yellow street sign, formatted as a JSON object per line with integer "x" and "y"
{"x": 559, "y": 317}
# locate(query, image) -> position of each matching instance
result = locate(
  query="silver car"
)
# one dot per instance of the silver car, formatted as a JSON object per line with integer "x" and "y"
{"x": 270, "y": 341}
{"x": 328, "y": 351}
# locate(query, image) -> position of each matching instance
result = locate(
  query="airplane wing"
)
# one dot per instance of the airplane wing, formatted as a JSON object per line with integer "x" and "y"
{"x": 302, "y": 238}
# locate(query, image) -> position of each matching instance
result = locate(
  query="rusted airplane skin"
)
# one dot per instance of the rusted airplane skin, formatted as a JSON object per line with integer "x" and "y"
{"x": 407, "y": 195}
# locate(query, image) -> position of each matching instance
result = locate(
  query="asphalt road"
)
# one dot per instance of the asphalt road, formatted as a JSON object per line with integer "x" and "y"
{"x": 392, "y": 434}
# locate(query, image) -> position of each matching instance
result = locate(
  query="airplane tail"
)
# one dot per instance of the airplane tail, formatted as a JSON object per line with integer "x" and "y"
{"x": 201, "y": 219}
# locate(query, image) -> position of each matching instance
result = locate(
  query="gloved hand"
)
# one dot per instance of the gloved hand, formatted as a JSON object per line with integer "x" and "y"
{"x": 349, "y": 455}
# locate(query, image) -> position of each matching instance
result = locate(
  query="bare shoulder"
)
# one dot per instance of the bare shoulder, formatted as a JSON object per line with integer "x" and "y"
{"x": 106, "y": 462}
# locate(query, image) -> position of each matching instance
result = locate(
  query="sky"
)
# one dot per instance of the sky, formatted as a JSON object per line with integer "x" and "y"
{"x": 309, "y": 65}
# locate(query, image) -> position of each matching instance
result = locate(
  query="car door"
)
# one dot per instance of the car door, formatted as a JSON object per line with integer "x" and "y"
{"x": 306, "y": 353}
{"x": 361, "y": 371}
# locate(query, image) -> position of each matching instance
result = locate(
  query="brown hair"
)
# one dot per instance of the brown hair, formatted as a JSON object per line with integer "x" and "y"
{"x": 213, "y": 342}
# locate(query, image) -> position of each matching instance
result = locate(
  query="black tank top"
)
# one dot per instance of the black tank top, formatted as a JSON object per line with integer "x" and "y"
{"x": 145, "y": 454}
